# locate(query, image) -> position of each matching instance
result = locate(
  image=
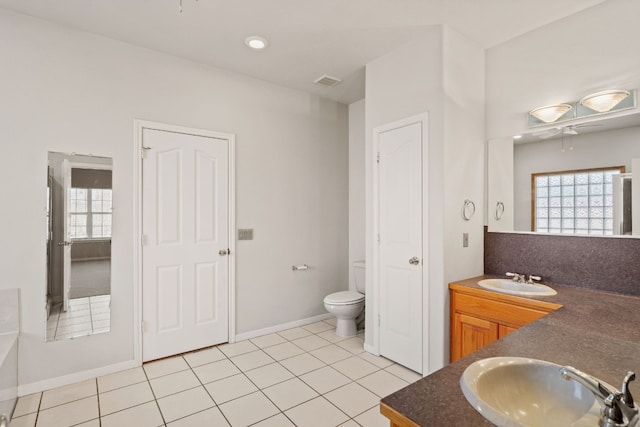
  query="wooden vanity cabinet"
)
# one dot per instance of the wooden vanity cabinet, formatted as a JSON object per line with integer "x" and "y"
{"x": 479, "y": 317}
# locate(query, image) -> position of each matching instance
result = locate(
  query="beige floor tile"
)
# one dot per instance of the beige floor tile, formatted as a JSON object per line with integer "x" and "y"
{"x": 248, "y": 410}
{"x": 268, "y": 375}
{"x": 302, "y": 364}
{"x": 331, "y": 354}
{"x": 289, "y": 393}
{"x": 27, "y": 405}
{"x": 316, "y": 413}
{"x": 268, "y": 340}
{"x": 333, "y": 321}
{"x": 353, "y": 399}
{"x": 317, "y": 327}
{"x": 68, "y": 393}
{"x": 235, "y": 349}
{"x": 167, "y": 366}
{"x": 355, "y": 367}
{"x": 174, "y": 383}
{"x": 210, "y": 417}
{"x": 283, "y": 351}
{"x": 355, "y": 345}
{"x": 92, "y": 423}
{"x": 276, "y": 421}
{"x": 146, "y": 415}
{"x": 230, "y": 388}
{"x": 372, "y": 418}
{"x": 351, "y": 423}
{"x": 295, "y": 333}
{"x": 185, "y": 403}
{"x": 216, "y": 371}
{"x": 379, "y": 361}
{"x": 382, "y": 383}
{"x": 404, "y": 373}
{"x": 202, "y": 357}
{"x": 24, "y": 421}
{"x": 312, "y": 342}
{"x": 331, "y": 336}
{"x": 121, "y": 379}
{"x": 252, "y": 360}
{"x": 69, "y": 414}
{"x": 125, "y": 397}
{"x": 325, "y": 379}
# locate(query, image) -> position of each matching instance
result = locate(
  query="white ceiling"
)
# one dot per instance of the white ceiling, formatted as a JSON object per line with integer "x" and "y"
{"x": 307, "y": 39}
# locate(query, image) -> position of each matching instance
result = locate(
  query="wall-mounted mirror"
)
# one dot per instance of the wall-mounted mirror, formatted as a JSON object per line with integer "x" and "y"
{"x": 570, "y": 179}
{"x": 79, "y": 225}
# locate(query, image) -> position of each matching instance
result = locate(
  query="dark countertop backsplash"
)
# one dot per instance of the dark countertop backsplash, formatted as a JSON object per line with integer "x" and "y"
{"x": 608, "y": 264}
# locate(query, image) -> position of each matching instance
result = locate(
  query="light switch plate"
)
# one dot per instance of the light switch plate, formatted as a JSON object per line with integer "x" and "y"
{"x": 245, "y": 234}
{"x": 465, "y": 240}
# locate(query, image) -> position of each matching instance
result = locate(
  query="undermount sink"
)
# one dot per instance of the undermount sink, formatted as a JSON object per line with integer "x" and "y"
{"x": 508, "y": 286}
{"x": 517, "y": 391}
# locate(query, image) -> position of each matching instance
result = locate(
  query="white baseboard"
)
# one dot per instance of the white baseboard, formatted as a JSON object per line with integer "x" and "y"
{"x": 48, "y": 384}
{"x": 282, "y": 327}
{"x": 370, "y": 349}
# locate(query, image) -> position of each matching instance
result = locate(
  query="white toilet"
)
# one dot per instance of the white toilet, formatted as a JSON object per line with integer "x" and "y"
{"x": 348, "y": 305}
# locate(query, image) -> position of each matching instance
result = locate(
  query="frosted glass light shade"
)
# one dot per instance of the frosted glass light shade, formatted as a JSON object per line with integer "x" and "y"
{"x": 550, "y": 113}
{"x": 604, "y": 101}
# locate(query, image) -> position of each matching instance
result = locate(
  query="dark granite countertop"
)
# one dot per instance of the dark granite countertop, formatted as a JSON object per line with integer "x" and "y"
{"x": 596, "y": 332}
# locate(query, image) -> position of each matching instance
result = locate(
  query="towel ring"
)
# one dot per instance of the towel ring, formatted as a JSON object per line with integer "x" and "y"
{"x": 468, "y": 209}
{"x": 499, "y": 211}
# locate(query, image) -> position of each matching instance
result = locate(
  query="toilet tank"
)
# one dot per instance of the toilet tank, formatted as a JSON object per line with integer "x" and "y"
{"x": 358, "y": 276}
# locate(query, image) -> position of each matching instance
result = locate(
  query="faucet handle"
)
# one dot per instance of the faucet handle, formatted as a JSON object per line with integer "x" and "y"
{"x": 516, "y": 276}
{"x": 627, "y": 399}
{"x": 533, "y": 279}
{"x": 611, "y": 413}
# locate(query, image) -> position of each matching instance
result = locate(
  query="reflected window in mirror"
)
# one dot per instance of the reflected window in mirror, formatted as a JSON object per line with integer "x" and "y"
{"x": 79, "y": 245}
{"x": 574, "y": 202}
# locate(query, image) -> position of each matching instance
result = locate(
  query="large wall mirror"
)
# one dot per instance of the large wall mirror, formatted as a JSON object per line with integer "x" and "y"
{"x": 79, "y": 226}
{"x": 570, "y": 179}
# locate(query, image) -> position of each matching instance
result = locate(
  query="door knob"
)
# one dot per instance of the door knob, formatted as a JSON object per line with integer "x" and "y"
{"x": 65, "y": 243}
{"x": 223, "y": 252}
{"x": 414, "y": 261}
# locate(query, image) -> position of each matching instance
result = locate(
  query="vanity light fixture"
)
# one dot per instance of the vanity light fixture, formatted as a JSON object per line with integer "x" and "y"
{"x": 604, "y": 101}
{"x": 550, "y": 113}
{"x": 256, "y": 42}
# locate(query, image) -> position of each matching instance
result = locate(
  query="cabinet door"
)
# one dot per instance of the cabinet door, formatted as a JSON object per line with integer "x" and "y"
{"x": 470, "y": 334}
{"x": 505, "y": 330}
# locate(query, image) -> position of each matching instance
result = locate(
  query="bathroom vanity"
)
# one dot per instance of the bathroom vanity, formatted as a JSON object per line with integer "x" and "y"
{"x": 593, "y": 331}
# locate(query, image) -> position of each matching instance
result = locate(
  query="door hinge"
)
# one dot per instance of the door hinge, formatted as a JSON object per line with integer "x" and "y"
{"x": 378, "y": 237}
{"x": 378, "y": 320}
{"x": 143, "y": 240}
{"x": 378, "y": 157}
{"x": 144, "y": 150}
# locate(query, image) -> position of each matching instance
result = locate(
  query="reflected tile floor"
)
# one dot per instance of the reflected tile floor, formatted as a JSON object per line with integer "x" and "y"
{"x": 85, "y": 316}
{"x": 305, "y": 376}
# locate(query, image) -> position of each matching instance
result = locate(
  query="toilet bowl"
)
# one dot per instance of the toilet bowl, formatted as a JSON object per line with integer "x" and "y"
{"x": 347, "y": 305}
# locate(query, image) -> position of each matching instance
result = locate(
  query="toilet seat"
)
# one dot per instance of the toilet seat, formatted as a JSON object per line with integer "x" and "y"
{"x": 344, "y": 298}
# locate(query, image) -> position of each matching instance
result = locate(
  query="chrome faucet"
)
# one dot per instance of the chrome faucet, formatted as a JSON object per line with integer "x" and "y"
{"x": 520, "y": 278}
{"x": 617, "y": 407}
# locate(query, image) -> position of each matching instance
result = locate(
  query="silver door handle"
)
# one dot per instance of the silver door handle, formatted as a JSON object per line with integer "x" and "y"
{"x": 223, "y": 252}
{"x": 65, "y": 243}
{"x": 414, "y": 261}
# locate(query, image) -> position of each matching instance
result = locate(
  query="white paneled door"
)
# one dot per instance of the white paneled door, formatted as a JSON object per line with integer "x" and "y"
{"x": 185, "y": 226}
{"x": 400, "y": 244}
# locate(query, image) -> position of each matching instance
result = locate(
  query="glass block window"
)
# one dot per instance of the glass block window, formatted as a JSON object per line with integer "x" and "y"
{"x": 90, "y": 213}
{"x": 573, "y": 202}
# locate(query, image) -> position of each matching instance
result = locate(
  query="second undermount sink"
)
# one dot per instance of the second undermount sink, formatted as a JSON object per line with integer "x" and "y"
{"x": 518, "y": 392}
{"x": 508, "y": 286}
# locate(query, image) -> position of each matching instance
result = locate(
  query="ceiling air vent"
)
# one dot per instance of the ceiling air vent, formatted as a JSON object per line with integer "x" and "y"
{"x": 327, "y": 81}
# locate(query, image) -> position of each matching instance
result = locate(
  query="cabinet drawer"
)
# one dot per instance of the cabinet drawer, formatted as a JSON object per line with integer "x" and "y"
{"x": 496, "y": 311}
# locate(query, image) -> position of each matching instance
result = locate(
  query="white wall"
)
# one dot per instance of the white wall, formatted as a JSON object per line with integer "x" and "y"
{"x": 593, "y": 50}
{"x": 442, "y": 74}
{"x": 357, "y": 213}
{"x": 593, "y": 150}
{"x": 69, "y": 91}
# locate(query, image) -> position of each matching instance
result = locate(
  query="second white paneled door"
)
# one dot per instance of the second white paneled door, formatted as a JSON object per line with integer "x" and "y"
{"x": 185, "y": 226}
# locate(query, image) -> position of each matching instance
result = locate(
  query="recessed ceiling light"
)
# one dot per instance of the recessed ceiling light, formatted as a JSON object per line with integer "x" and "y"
{"x": 256, "y": 42}
{"x": 517, "y": 136}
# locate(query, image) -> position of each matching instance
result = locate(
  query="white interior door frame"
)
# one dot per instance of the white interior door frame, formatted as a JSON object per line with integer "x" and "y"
{"x": 138, "y": 152}
{"x": 423, "y": 119}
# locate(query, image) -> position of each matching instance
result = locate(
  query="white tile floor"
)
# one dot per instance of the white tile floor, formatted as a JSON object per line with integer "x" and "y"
{"x": 302, "y": 377}
{"x": 85, "y": 316}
